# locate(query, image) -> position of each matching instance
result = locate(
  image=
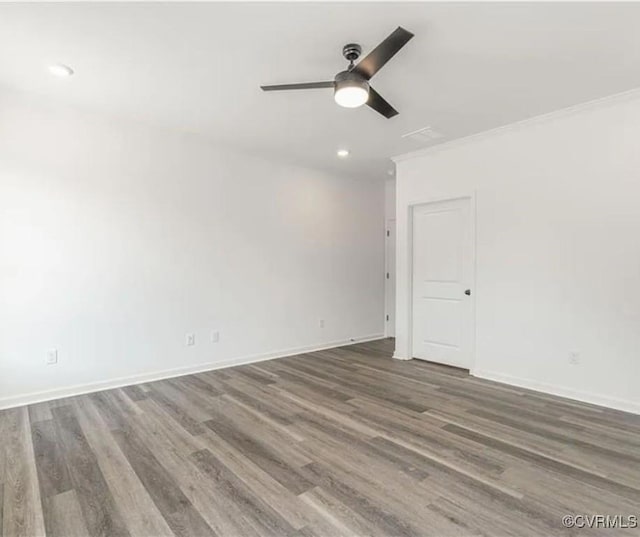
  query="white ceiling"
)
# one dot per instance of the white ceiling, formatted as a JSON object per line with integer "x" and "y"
{"x": 197, "y": 67}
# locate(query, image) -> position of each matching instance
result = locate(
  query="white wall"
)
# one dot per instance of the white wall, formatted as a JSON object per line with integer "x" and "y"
{"x": 558, "y": 248}
{"x": 390, "y": 198}
{"x": 117, "y": 239}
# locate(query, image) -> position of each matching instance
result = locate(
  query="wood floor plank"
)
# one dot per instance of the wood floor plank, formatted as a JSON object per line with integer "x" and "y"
{"x": 195, "y": 383}
{"x": 249, "y": 422}
{"x": 22, "y": 512}
{"x": 286, "y": 430}
{"x": 135, "y": 393}
{"x": 111, "y": 412}
{"x": 342, "y": 442}
{"x": 178, "y": 413}
{"x": 562, "y": 432}
{"x": 321, "y": 430}
{"x": 40, "y": 412}
{"x": 173, "y": 447}
{"x": 168, "y": 497}
{"x": 582, "y": 475}
{"x": 268, "y": 458}
{"x": 188, "y": 522}
{"x": 335, "y": 518}
{"x": 140, "y": 514}
{"x": 174, "y": 451}
{"x": 262, "y": 398}
{"x": 262, "y": 484}
{"x": 53, "y": 475}
{"x": 4, "y": 419}
{"x": 64, "y": 516}
{"x": 264, "y": 516}
{"x": 429, "y": 434}
{"x": 99, "y": 510}
{"x": 378, "y": 516}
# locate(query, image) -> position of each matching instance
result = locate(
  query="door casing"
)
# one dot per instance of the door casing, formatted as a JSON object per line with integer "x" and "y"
{"x": 390, "y": 283}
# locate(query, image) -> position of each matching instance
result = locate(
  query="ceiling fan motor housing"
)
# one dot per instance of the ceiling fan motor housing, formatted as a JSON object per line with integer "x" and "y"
{"x": 351, "y": 51}
{"x": 349, "y": 78}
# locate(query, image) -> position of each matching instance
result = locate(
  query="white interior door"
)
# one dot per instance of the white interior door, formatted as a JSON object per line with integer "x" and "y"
{"x": 442, "y": 276}
{"x": 390, "y": 281}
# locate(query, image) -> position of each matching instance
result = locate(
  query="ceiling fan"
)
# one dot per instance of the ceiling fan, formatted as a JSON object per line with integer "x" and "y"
{"x": 351, "y": 87}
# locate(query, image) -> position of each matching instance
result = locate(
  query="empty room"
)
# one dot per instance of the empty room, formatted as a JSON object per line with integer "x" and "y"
{"x": 319, "y": 269}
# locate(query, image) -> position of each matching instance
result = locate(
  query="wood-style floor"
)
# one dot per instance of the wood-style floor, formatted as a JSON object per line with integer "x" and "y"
{"x": 339, "y": 442}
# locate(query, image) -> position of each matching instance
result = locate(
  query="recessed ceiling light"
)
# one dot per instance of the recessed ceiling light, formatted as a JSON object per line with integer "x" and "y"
{"x": 60, "y": 70}
{"x": 343, "y": 153}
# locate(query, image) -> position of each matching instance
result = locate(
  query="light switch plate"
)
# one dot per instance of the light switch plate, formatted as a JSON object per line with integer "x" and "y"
{"x": 52, "y": 356}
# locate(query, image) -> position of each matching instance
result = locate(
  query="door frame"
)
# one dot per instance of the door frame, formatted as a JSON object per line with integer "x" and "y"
{"x": 411, "y": 206}
{"x": 388, "y": 263}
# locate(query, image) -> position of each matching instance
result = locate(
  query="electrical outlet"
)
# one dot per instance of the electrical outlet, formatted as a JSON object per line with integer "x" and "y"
{"x": 321, "y": 323}
{"x": 52, "y": 356}
{"x": 190, "y": 340}
{"x": 574, "y": 357}
{"x": 215, "y": 336}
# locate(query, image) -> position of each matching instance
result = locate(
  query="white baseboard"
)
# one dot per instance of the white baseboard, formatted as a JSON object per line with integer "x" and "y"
{"x": 69, "y": 391}
{"x": 396, "y": 356}
{"x": 569, "y": 393}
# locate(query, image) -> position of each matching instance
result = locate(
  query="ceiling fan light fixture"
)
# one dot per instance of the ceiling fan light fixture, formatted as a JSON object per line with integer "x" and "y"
{"x": 351, "y": 90}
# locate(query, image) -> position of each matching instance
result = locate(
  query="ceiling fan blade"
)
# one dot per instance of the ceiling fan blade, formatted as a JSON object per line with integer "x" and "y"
{"x": 375, "y": 60}
{"x": 305, "y": 85}
{"x": 377, "y": 102}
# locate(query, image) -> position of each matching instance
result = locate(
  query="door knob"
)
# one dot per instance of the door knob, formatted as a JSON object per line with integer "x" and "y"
{"x": 467, "y": 292}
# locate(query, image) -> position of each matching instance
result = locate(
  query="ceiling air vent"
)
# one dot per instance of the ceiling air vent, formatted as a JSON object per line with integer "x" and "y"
{"x": 423, "y": 135}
